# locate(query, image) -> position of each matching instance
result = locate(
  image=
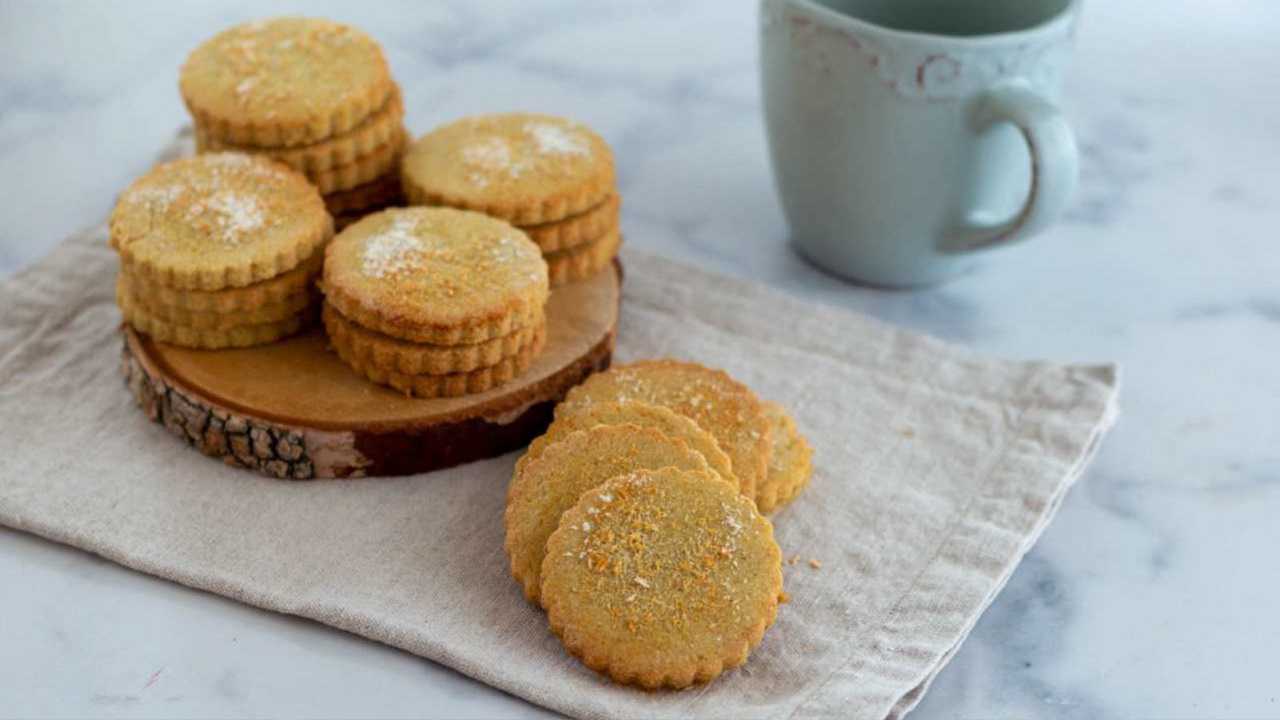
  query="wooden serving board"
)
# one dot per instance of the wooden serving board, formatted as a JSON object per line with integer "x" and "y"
{"x": 292, "y": 409}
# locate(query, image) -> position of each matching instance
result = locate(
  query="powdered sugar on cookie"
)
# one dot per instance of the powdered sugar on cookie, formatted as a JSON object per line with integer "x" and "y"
{"x": 393, "y": 251}
{"x": 553, "y": 139}
{"x": 489, "y": 155}
{"x": 233, "y": 215}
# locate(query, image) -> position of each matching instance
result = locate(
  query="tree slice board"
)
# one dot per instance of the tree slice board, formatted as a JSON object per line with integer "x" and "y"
{"x": 292, "y": 409}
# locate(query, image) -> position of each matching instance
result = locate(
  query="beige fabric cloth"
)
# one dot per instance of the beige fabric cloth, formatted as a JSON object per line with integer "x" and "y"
{"x": 936, "y": 470}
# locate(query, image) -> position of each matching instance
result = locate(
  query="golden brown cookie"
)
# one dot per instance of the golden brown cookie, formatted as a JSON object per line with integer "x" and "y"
{"x": 642, "y": 414}
{"x": 521, "y": 167}
{"x": 790, "y": 462}
{"x": 662, "y": 578}
{"x": 452, "y": 384}
{"x": 364, "y": 169}
{"x": 583, "y": 261}
{"x": 379, "y": 129}
{"x": 284, "y": 82}
{"x": 208, "y": 339}
{"x": 377, "y": 194}
{"x": 250, "y": 297}
{"x": 216, "y": 221}
{"x": 383, "y": 352}
{"x": 275, "y": 312}
{"x": 436, "y": 275}
{"x": 721, "y": 405}
{"x": 544, "y": 488}
{"x": 576, "y": 230}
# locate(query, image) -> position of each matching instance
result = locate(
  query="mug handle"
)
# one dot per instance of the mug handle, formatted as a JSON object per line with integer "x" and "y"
{"x": 1055, "y": 166}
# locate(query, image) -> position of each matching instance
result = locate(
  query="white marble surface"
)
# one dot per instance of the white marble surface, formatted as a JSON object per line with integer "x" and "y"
{"x": 1153, "y": 594}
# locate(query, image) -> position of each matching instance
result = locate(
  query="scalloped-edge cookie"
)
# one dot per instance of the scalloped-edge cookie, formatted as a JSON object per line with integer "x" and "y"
{"x": 436, "y": 275}
{"x": 576, "y": 230}
{"x": 247, "y": 298}
{"x": 216, "y": 221}
{"x": 377, "y": 131}
{"x": 719, "y": 404}
{"x": 364, "y": 169}
{"x": 202, "y": 320}
{"x": 283, "y": 82}
{"x": 581, "y": 262}
{"x": 524, "y": 168}
{"x": 543, "y": 489}
{"x": 452, "y": 384}
{"x": 634, "y": 413}
{"x": 662, "y": 578}
{"x": 207, "y": 339}
{"x": 790, "y": 462}
{"x": 391, "y": 354}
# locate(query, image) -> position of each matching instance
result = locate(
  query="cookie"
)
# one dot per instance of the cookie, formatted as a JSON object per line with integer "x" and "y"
{"x": 247, "y": 298}
{"x": 721, "y": 405}
{"x": 363, "y": 169}
{"x": 449, "y": 385}
{"x": 276, "y": 312}
{"x": 379, "y": 351}
{"x": 377, "y": 194}
{"x": 577, "y": 230}
{"x": 583, "y": 261}
{"x": 520, "y": 167}
{"x": 662, "y": 578}
{"x": 541, "y": 490}
{"x": 790, "y": 462}
{"x": 209, "y": 339}
{"x": 217, "y": 221}
{"x": 284, "y": 82}
{"x": 436, "y": 275}
{"x": 377, "y": 130}
{"x": 659, "y": 418}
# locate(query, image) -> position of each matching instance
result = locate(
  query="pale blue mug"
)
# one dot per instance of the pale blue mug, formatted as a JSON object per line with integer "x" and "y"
{"x": 907, "y": 135}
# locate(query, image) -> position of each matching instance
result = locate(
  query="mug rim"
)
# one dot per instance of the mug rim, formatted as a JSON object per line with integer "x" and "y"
{"x": 1060, "y": 22}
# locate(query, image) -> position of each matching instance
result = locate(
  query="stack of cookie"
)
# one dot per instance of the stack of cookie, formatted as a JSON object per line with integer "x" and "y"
{"x": 635, "y": 520}
{"x": 435, "y": 302}
{"x": 219, "y": 250}
{"x": 313, "y": 94}
{"x": 551, "y": 177}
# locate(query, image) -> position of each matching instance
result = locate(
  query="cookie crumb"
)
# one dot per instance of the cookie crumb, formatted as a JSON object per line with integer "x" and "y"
{"x": 784, "y": 597}
{"x": 815, "y": 563}
{"x": 793, "y": 559}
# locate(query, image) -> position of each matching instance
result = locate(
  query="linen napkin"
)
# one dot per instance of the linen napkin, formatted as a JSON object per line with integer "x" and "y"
{"x": 936, "y": 469}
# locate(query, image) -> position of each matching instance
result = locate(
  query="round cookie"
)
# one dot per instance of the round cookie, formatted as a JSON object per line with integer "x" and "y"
{"x": 447, "y": 385}
{"x": 661, "y": 578}
{"x": 377, "y": 130}
{"x": 216, "y": 221}
{"x": 209, "y": 339}
{"x": 521, "y": 167}
{"x": 659, "y": 418}
{"x": 721, "y": 405}
{"x": 390, "y": 354}
{"x": 790, "y": 462}
{"x": 248, "y": 298}
{"x": 576, "y": 230}
{"x": 543, "y": 489}
{"x": 275, "y": 312}
{"x": 364, "y": 169}
{"x": 583, "y": 261}
{"x": 436, "y": 275}
{"x": 284, "y": 82}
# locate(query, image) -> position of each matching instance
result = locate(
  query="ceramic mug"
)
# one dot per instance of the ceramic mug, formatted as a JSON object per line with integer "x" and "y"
{"x": 908, "y": 134}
